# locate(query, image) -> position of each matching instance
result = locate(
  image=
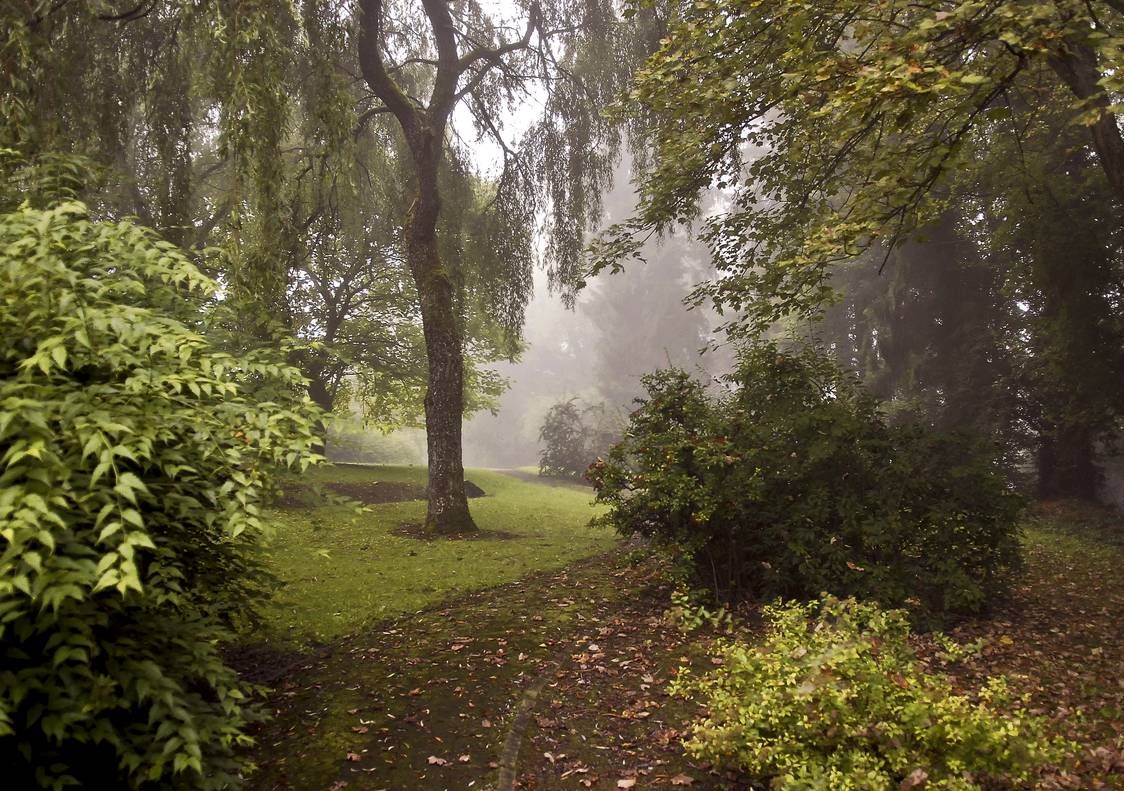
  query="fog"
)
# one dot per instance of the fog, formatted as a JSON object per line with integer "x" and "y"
{"x": 623, "y": 326}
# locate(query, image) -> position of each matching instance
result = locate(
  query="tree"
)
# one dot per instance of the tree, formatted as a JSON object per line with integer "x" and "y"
{"x": 254, "y": 123}
{"x": 989, "y": 320}
{"x": 833, "y": 123}
{"x": 467, "y": 57}
{"x": 572, "y": 436}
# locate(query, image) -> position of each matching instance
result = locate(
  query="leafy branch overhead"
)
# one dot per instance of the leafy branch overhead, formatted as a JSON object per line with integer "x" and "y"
{"x": 837, "y": 127}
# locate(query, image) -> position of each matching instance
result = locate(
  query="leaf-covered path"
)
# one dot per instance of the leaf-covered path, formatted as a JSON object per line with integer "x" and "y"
{"x": 1061, "y": 637}
{"x": 431, "y": 701}
{"x": 428, "y": 701}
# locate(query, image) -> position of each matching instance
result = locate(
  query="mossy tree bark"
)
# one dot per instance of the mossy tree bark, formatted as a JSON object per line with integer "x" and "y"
{"x": 447, "y": 510}
{"x": 424, "y": 129}
{"x": 421, "y": 59}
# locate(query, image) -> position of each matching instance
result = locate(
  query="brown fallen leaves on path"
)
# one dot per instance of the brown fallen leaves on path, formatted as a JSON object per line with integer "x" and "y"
{"x": 425, "y": 702}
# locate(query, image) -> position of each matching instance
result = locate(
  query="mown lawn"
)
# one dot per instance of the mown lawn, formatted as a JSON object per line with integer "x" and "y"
{"x": 428, "y": 701}
{"x": 341, "y": 570}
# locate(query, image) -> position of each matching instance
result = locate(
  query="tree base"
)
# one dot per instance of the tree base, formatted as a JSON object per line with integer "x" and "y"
{"x": 449, "y": 524}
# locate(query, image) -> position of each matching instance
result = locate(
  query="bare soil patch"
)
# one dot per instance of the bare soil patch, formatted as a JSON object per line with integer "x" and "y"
{"x": 300, "y": 495}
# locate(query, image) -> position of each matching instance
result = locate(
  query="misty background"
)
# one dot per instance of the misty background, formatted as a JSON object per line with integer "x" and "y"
{"x": 622, "y": 326}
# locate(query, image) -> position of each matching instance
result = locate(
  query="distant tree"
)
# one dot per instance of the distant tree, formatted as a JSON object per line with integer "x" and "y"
{"x": 572, "y": 437}
{"x": 991, "y": 319}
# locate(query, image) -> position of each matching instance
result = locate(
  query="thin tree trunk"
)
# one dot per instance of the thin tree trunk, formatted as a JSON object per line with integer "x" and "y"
{"x": 1067, "y": 466}
{"x": 321, "y": 395}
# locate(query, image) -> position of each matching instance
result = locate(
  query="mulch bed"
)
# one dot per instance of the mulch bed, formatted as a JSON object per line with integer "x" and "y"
{"x": 367, "y": 492}
{"x": 302, "y": 495}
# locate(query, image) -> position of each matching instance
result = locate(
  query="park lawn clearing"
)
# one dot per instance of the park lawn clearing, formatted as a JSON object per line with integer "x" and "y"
{"x": 429, "y": 701}
{"x": 341, "y": 570}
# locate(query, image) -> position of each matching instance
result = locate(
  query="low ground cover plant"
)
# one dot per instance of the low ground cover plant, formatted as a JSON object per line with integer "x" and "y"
{"x": 789, "y": 481}
{"x": 134, "y": 458}
{"x": 834, "y": 698}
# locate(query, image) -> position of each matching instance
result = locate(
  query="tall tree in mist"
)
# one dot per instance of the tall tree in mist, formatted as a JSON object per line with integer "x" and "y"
{"x": 1005, "y": 315}
{"x": 640, "y": 316}
{"x": 456, "y": 54}
{"x": 314, "y": 141}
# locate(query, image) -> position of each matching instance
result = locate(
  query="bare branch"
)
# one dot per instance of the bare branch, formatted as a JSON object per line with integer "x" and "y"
{"x": 374, "y": 70}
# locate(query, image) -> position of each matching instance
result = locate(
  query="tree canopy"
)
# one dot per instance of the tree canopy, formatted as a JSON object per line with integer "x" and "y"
{"x": 835, "y": 127}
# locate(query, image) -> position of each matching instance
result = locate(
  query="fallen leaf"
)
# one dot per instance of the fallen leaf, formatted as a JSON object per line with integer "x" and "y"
{"x": 433, "y": 760}
{"x": 914, "y": 779}
{"x": 464, "y": 758}
{"x": 682, "y": 780}
{"x": 627, "y": 782}
{"x": 353, "y": 756}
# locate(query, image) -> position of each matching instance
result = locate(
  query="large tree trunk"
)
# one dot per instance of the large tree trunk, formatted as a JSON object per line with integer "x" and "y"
{"x": 1066, "y": 465}
{"x": 1077, "y": 66}
{"x": 424, "y": 130}
{"x": 444, "y": 396}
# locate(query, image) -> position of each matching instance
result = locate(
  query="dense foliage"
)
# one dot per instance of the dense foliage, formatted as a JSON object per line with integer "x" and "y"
{"x": 989, "y": 321}
{"x": 790, "y": 482}
{"x": 572, "y": 436}
{"x": 835, "y": 125}
{"x": 328, "y": 147}
{"x": 946, "y": 176}
{"x": 135, "y": 456}
{"x": 834, "y": 698}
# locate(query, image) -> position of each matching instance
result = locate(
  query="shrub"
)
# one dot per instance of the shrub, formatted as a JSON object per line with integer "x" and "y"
{"x": 133, "y": 460}
{"x": 572, "y": 436}
{"x": 834, "y": 698}
{"x": 789, "y": 482}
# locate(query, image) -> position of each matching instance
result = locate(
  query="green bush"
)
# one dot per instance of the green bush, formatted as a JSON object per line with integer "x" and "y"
{"x": 835, "y": 700}
{"x": 789, "y": 482}
{"x": 134, "y": 456}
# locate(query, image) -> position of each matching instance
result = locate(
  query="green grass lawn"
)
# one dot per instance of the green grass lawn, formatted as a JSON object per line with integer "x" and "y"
{"x": 342, "y": 571}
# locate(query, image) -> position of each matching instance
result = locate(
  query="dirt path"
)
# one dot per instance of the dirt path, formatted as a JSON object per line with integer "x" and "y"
{"x": 428, "y": 702}
{"x": 557, "y": 681}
